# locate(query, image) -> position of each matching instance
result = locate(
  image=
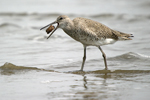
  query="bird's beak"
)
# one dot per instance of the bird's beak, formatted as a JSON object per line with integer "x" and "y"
{"x": 50, "y": 25}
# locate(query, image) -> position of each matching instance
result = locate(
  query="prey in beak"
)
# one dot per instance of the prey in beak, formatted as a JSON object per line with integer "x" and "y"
{"x": 62, "y": 22}
{"x": 51, "y": 28}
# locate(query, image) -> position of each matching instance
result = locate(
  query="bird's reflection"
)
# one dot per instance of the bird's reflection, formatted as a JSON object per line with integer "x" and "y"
{"x": 105, "y": 76}
{"x": 85, "y": 81}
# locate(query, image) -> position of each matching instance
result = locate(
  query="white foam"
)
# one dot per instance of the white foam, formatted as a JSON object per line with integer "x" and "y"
{"x": 50, "y": 81}
{"x": 139, "y": 55}
{"x": 144, "y": 56}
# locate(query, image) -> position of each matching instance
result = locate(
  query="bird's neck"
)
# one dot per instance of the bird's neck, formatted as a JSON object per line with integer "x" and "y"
{"x": 69, "y": 27}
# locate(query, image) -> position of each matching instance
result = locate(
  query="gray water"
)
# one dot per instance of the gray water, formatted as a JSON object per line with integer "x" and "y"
{"x": 35, "y": 68}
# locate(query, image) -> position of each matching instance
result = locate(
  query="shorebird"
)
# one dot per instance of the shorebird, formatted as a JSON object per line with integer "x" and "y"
{"x": 89, "y": 33}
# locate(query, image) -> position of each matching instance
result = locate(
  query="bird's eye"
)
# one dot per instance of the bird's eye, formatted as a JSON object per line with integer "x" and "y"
{"x": 60, "y": 18}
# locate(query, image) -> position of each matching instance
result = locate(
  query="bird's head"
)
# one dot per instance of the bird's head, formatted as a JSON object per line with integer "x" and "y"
{"x": 62, "y": 22}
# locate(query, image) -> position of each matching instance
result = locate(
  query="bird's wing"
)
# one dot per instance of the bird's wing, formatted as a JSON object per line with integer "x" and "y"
{"x": 96, "y": 29}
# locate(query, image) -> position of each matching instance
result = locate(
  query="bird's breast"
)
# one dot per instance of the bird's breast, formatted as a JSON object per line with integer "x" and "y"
{"x": 89, "y": 40}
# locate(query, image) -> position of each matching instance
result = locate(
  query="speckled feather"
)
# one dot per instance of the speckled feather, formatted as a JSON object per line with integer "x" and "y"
{"x": 99, "y": 30}
{"x": 90, "y": 32}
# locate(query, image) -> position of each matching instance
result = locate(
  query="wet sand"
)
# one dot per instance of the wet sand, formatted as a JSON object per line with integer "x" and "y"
{"x": 34, "y": 83}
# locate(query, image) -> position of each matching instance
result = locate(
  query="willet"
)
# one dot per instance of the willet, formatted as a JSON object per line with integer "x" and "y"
{"x": 89, "y": 33}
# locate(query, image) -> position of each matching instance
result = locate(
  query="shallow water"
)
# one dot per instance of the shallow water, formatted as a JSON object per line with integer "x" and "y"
{"x": 20, "y": 82}
{"x": 33, "y": 67}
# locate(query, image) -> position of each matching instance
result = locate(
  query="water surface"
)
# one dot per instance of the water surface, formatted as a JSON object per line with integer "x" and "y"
{"x": 32, "y": 67}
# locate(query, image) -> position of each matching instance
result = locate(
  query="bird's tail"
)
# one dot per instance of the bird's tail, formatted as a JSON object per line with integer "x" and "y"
{"x": 125, "y": 36}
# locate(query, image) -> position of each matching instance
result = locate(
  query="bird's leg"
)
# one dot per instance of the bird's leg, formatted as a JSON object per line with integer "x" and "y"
{"x": 104, "y": 56}
{"x": 84, "y": 58}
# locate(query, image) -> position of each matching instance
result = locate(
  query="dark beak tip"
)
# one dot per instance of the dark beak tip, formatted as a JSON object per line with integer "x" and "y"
{"x": 48, "y": 25}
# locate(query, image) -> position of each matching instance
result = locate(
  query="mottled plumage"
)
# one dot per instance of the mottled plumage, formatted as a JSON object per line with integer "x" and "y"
{"x": 89, "y": 33}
